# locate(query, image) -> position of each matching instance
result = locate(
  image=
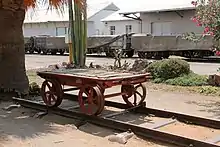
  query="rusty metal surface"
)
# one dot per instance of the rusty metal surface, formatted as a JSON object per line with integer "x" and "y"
{"x": 51, "y": 92}
{"x": 169, "y": 43}
{"x": 106, "y": 40}
{"x": 94, "y": 103}
{"x": 95, "y": 41}
{"x": 56, "y": 43}
{"x": 138, "y": 96}
{"x": 93, "y": 83}
{"x": 95, "y": 74}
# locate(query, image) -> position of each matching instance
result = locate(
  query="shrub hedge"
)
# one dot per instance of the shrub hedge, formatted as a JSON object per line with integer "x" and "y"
{"x": 168, "y": 69}
{"x": 175, "y": 72}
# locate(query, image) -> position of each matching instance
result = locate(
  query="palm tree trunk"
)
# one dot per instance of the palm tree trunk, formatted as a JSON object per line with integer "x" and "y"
{"x": 12, "y": 55}
{"x": 85, "y": 32}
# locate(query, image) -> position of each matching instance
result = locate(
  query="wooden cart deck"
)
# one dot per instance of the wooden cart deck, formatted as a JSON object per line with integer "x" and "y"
{"x": 92, "y": 83}
{"x": 92, "y": 74}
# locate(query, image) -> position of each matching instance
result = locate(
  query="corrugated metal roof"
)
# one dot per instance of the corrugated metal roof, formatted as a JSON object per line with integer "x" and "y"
{"x": 44, "y": 15}
{"x": 138, "y": 6}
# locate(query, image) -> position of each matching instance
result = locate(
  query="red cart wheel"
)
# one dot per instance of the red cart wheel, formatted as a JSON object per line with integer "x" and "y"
{"x": 51, "y": 92}
{"x": 94, "y": 103}
{"x": 134, "y": 96}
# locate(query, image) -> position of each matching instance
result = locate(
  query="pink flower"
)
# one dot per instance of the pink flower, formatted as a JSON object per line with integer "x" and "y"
{"x": 206, "y": 29}
{"x": 199, "y": 24}
{"x": 194, "y": 3}
{"x": 217, "y": 53}
{"x": 211, "y": 33}
{"x": 194, "y": 19}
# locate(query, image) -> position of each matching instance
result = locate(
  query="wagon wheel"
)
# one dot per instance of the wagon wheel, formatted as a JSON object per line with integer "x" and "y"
{"x": 134, "y": 96}
{"x": 51, "y": 92}
{"x": 94, "y": 102}
{"x": 102, "y": 90}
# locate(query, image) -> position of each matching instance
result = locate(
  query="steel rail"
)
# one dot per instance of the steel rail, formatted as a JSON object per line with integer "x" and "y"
{"x": 186, "y": 118}
{"x": 121, "y": 126}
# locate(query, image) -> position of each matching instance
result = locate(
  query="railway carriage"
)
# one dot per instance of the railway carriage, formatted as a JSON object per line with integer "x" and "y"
{"x": 148, "y": 46}
{"x": 46, "y": 44}
{"x": 145, "y": 45}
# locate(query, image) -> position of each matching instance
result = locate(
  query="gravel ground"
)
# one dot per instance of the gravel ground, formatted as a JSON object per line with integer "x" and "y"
{"x": 38, "y": 61}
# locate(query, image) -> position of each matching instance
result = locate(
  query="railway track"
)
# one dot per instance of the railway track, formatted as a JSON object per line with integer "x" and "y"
{"x": 154, "y": 124}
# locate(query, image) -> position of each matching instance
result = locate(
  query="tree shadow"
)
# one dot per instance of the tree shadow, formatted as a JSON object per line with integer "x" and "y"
{"x": 20, "y": 124}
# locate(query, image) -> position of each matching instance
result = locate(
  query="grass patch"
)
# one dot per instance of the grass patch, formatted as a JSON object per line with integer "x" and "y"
{"x": 34, "y": 82}
{"x": 191, "y": 83}
{"x": 210, "y": 90}
{"x": 191, "y": 79}
{"x": 33, "y": 77}
{"x": 202, "y": 90}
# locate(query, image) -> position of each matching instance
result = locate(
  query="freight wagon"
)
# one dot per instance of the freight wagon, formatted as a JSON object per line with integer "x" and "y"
{"x": 147, "y": 46}
{"x": 96, "y": 44}
{"x": 110, "y": 43}
{"x": 46, "y": 44}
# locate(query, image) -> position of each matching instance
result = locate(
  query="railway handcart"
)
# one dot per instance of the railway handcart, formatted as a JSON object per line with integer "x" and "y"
{"x": 92, "y": 83}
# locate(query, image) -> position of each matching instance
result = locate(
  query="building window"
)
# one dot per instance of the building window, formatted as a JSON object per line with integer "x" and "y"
{"x": 112, "y": 30}
{"x": 61, "y": 31}
{"x": 128, "y": 29}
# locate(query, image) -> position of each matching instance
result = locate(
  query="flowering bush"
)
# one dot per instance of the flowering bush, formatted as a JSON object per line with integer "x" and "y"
{"x": 208, "y": 16}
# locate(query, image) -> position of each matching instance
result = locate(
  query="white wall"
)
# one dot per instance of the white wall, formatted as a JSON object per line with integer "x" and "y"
{"x": 96, "y": 18}
{"x": 49, "y": 28}
{"x": 120, "y": 26}
{"x": 178, "y": 25}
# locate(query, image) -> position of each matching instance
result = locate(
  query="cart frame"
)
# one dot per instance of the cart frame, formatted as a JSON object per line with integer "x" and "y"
{"x": 94, "y": 88}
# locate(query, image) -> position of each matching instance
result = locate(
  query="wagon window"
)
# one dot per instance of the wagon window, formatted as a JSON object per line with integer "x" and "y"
{"x": 61, "y": 31}
{"x": 112, "y": 30}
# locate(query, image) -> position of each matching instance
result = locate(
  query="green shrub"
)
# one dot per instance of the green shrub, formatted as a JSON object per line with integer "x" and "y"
{"x": 158, "y": 80}
{"x": 153, "y": 69}
{"x": 189, "y": 80}
{"x": 168, "y": 68}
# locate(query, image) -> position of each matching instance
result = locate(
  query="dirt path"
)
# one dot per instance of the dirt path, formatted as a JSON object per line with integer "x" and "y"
{"x": 19, "y": 128}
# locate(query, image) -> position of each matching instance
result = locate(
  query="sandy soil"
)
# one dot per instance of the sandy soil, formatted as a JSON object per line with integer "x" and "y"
{"x": 192, "y": 131}
{"x": 20, "y": 128}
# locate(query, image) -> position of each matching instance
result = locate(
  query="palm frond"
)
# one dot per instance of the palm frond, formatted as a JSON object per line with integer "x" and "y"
{"x": 58, "y": 5}
{"x": 30, "y": 4}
